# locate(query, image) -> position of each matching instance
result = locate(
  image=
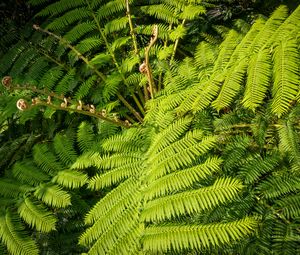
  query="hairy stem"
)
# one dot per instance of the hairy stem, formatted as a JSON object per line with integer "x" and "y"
{"x": 147, "y": 61}
{"x": 88, "y": 113}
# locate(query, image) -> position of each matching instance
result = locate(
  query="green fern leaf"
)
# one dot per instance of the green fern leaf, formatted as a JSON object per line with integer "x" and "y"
{"x": 182, "y": 179}
{"x": 190, "y": 202}
{"x": 176, "y": 238}
{"x": 258, "y": 81}
{"x": 286, "y": 76}
{"x": 64, "y": 149}
{"x": 53, "y": 195}
{"x": 37, "y": 215}
{"x": 70, "y": 179}
{"x": 14, "y": 236}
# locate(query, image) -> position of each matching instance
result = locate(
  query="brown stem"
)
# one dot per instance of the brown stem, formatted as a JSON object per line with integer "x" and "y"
{"x": 111, "y": 53}
{"x": 88, "y": 113}
{"x": 147, "y": 62}
{"x": 132, "y": 33}
{"x": 134, "y": 112}
{"x": 78, "y": 54}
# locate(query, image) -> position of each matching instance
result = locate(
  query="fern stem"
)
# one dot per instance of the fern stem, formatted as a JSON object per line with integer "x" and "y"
{"x": 175, "y": 46}
{"x": 39, "y": 91}
{"x": 132, "y": 110}
{"x": 129, "y": 118}
{"x": 96, "y": 115}
{"x": 79, "y": 55}
{"x": 147, "y": 62}
{"x": 117, "y": 66}
{"x": 61, "y": 97}
{"x": 136, "y": 100}
{"x": 52, "y": 59}
{"x": 132, "y": 33}
{"x": 141, "y": 96}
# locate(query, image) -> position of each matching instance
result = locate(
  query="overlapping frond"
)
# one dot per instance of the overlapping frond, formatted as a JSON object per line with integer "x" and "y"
{"x": 14, "y": 236}
{"x": 156, "y": 187}
{"x": 36, "y": 215}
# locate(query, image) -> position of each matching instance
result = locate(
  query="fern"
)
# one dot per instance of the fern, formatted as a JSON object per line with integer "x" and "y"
{"x": 36, "y": 215}
{"x": 14, "y": 236}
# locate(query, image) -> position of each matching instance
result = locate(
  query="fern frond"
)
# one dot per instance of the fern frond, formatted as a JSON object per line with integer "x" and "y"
{"x": 28, "y": 173}
{"x": 289, "y": 142}
{"x": 51, "y": 77}
{"x": 190, "y": 202}
{"x": 279, "y": 185}
{"x": 270, "y": 28}
{"x": 69, "y": 18}
{"x": 37, "y": 216}
{"x": 206, "y": 93}
{"x": 128, "y": 141}
{"x": 11, "y": 188}
{"x": 85, "y": 136}
{"x": 64, "y": 149}
{"x": 182, "y": 179}
{"x": 169, "y": 135}
{"x": 53, "y": 195}
{"x": 114, "y": 176}
{"x": 290, "y": 206}
{"x": 258, "y": 81}
{"x": 87, "y": 159}
{"x": 67, "y": 82}
{"x": 189, "y": 149}
{"x": 165, "y": 238}
{"x": 118, "y": 43}
{"x": 85, "y": 87}
{"x": 107, "y": 224}
{"x": 79, "y": 31}
{"x": 119, "y": 198}
{"x": 116, "y": 25}
{"x": 46, "y": 159}
{"x": 23, "y": 61}
{"x": 205, "y": 55}
{"x": 112, "y": 85}
{"x": 231, "y": 86}
{"x": 58, "y": 7}
{"x": 14, "y": 236}
{"x": 192, "y": 11}
{"x": 162, "y": 11}
{"x": 36, "y": 70}
{"x": 257, "y": 166}
{"x": 70, "y": 179}
{"x": 10, "y": 57}
{"x": 110, "y": 8}
{"x": 286, "y": 75}
{"x": 87, "y": 44}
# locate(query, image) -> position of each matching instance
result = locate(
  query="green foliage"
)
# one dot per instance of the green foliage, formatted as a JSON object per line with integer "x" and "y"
{"x": 208, "y": 161}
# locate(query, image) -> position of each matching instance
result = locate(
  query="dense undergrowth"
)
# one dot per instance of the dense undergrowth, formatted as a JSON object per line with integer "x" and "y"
{"x": 137, "y": 127}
